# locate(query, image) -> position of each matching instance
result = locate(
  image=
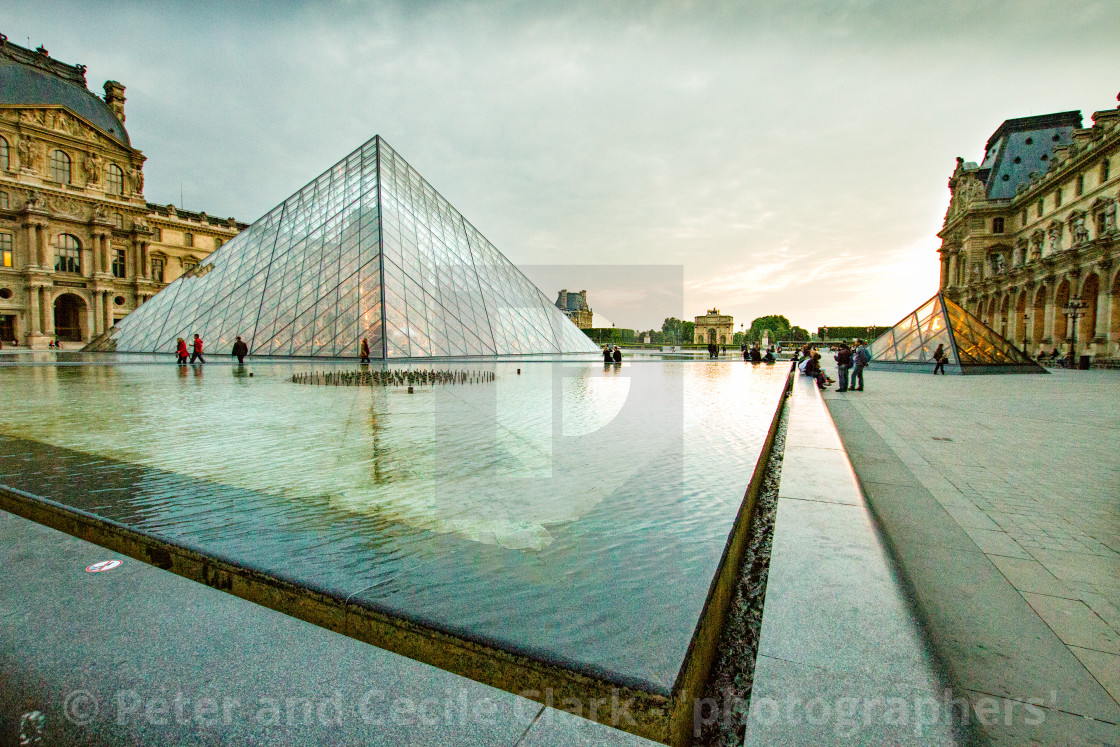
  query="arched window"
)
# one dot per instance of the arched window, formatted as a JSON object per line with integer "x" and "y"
{"x": 114, "y": 179}
{"x": 60, "y": 167}
{"x": 68, "y": 254}
{"x": 5, "y": 155}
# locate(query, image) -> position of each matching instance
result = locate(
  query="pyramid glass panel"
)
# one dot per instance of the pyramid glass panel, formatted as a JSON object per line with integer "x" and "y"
{"x": 367, "y": 250}
{"x": 969, "y": 345}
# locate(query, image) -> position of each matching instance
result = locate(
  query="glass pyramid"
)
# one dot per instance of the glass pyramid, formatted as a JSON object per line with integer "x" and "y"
{"x": 970, "y": 345}
{"x": 367, "y": 250}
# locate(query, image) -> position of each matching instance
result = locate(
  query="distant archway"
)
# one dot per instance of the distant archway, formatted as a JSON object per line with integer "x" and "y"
{"x": 70, "y": 318}
{"x": 711, "y": 335}
{"x": 1021, "y": 319}
{"x": 1087, "y": 326}
{"x": 1061, "y": 321}
{"x": 1038, "y": 329}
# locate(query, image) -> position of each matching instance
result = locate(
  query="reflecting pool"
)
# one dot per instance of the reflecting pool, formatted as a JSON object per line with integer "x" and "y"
{"x": 566, "y": 510}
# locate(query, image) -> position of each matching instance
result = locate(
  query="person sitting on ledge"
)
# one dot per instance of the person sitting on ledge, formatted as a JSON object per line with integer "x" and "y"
{"x": 769, "y": 357}
{"x": 813, "y": 369}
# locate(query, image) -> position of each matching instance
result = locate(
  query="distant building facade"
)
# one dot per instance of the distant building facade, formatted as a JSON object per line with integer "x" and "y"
{"x": 574, "y": 306}
{"x": 713, "y": 327}
{"x": 1034, "y": 226}
{"x": 79, "y": 245}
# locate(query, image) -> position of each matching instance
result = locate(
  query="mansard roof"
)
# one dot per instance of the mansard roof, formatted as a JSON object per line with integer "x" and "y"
{"x": 33, "y": 78}
{"x": 1022, "y": 146}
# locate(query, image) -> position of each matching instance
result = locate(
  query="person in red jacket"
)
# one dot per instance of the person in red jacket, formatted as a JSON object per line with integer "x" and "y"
{"x": 197, "y": 352}
{"x": 181, "y": 351}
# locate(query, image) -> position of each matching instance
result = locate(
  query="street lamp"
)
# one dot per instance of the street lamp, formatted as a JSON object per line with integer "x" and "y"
{"x": 1075, "y": 309}
{"x": 1026, "y": 333}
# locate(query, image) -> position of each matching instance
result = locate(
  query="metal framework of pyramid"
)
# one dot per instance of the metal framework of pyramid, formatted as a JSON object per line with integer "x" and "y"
{"x": 368, "y": 250}
{"x": 972, "y": 347}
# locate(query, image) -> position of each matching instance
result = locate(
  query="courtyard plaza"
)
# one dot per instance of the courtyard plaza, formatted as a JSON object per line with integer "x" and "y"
{"x": 871, "y": 592}
{"x": 1000, "y": 496}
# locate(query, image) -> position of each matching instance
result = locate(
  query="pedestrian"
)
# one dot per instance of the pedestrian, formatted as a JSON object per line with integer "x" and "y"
{"x": 181, "y": 351}
{"x": 617, "y": 354}
{"x": 769, "y": 357}
{"x": 240, "y": 349}
{"x": 860, "y": 358}
{"x": 756, "y": 354}
{"x": 843, "y": 366}
{"x": 197, "y": 351}
{"x": 363, "y": 351}
{"x": 607, "y": 357}
{"x": 939, "y": 356}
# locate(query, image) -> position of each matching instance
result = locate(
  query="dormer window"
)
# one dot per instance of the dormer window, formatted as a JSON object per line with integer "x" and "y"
{"x": 114, "y": 179}
{"x": 60, "y": 167}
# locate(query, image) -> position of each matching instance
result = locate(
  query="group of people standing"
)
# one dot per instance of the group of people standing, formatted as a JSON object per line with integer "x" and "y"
{"x": 612, "y": 354}
{"x": 851, "y": 360}
{"x": 240, "y": 349}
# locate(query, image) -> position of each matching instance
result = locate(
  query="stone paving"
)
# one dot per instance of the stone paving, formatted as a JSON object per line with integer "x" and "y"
{"x": 1027, "y": 467}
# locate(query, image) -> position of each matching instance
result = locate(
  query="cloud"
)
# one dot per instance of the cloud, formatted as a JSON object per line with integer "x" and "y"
{"x": 791, "y": 157}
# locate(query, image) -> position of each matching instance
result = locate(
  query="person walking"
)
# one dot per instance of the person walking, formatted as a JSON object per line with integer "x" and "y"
{"x": 363, "y": 351}
{"x": 181, "y": 351}
{"x": 860, "y": 358}
{"x": 197, "y": 351}
{"x": 939, "y": 356}
{"x": 843, "y": 366}
{"x": 240, "y": 349}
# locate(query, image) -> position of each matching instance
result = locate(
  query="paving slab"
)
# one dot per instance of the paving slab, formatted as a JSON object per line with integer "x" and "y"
{"x": 1009, "y": 518}
{"x": 139, "y": 656}
{"x": 841, "y": 652}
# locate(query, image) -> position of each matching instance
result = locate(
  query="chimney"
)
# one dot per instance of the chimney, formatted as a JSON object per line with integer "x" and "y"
{"x": 562, "y": 299}
{"x": 583, "y": 296}
{"x": 114, "y": 97}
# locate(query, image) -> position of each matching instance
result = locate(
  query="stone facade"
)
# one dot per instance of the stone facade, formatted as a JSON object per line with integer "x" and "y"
{"x": 1034, "y": 226}
{"x": 713, "y": 327}
{"x": 79, "y": 245}
{"x": 574, "y": 306}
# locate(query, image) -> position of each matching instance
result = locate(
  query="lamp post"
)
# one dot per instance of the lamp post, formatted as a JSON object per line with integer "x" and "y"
{"x": 1075, "y": 309}
{"x": 1026, "y": 333}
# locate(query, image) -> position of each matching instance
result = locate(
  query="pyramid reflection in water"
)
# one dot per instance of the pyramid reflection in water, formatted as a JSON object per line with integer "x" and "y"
{"x": 971, "y": 346}
{"x": 367, "y": 250}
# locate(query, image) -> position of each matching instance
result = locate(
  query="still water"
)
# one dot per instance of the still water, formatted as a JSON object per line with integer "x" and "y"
{"x": 574, "y": 512}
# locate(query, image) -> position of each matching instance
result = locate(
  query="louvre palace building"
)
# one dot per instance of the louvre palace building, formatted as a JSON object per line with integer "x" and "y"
{"x": 1033, "y": 227}
{"x": 80, "y": 247}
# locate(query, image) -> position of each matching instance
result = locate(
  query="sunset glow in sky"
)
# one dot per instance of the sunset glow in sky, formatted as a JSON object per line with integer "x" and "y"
{"x": 787, "y": 158}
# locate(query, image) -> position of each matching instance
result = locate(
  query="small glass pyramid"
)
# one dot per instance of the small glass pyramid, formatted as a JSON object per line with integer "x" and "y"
{"x": 970, "y": 346}
{"x": 368, "y": 250}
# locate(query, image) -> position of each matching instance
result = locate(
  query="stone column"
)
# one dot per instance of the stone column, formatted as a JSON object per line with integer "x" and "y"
{"x": 108, "y": 296}
{"x": 48, "y": 313}
{"x": 1104, "y": 313}
{"x": 952, "y": 279}
{"x": 106, "y": 254}
{"x": 96, "y": 252}
{"x": 91, "y": 316}
{"x": 44, "y": 260}
{"x": 34, "y": 322}
{"x": 99, "y": 312}
{"x": 145, "y": 261}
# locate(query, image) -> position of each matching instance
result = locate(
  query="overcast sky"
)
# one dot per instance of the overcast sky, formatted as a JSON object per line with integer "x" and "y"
{"x": 791, "y": 157}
